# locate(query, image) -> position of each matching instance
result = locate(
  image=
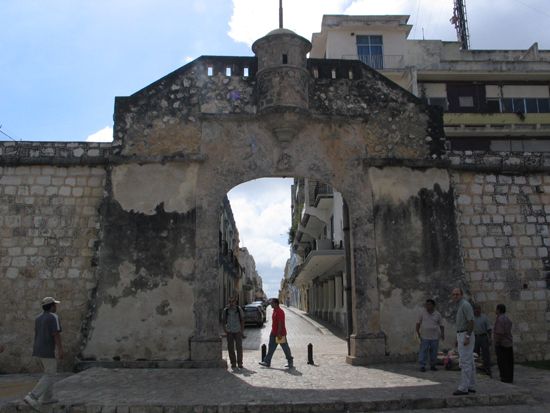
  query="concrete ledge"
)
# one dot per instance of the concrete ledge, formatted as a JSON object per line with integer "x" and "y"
{"x": 400, "y": 402}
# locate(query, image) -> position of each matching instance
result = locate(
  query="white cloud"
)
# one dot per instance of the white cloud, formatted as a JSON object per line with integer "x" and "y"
{"x": 262, "y": 213}
{"x": 102, "y": 135}
{"x": 253, "y": 19}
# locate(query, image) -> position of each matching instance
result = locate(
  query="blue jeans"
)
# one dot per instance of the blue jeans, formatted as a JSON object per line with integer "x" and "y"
{"x": 271, "y": 349}
{"x": 428, "y": 346}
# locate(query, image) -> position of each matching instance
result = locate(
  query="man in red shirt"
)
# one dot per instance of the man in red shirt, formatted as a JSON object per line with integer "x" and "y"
{"x": 277, "y": 336}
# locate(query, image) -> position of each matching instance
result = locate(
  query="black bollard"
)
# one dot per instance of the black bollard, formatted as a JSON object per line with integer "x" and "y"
{"x": 310, "y": 354}
{"x": 264, "y": 351}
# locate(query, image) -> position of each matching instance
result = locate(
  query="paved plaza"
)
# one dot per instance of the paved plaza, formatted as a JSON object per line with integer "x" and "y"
{"x": 330, "y": 385}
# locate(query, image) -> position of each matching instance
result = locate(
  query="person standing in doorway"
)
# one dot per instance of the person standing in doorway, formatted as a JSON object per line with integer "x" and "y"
{"x": 504, "y": 345}
{"x": 465, "y": 343}
{"x": 277, "y": 336}
{"x": 47, "y": 342}
{"x": 233, "y": 325}
{"x": 429, "y": 330}
{"x": 482, "y": 331}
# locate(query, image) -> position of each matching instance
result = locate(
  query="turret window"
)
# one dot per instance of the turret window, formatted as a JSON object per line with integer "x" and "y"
{"x": 285, "y": 59}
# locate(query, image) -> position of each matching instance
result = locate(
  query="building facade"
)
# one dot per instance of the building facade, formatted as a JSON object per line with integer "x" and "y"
{"x": 252, "y": 287}
{"x": 494, "y": 100}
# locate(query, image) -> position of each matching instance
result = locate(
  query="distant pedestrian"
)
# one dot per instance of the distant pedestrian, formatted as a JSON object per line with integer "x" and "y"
{"x": 278, "y": 336}
{"x": 465, "y": 343}
{"x": 482, "y": 331}
{"x": 504, "y": 349}
{"x": 233, "y": 325}
{"x": 47, "y": 341}
{"x": 430, "y": 330}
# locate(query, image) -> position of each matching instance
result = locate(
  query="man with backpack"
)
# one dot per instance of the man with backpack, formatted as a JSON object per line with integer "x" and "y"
{"x": 233, "y": 325}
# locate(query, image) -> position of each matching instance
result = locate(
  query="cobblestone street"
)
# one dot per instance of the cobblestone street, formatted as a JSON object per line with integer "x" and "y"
{"x": 330, "y": 385}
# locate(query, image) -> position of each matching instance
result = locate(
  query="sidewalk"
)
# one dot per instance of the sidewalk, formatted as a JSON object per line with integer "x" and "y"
{"x": 329, "y": 386}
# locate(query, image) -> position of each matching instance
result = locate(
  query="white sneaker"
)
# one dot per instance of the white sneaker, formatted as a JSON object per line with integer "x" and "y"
{"x": 32, "y": 402}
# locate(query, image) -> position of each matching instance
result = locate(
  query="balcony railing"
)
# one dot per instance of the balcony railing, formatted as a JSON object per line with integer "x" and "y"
{"x": 379, "y": 62}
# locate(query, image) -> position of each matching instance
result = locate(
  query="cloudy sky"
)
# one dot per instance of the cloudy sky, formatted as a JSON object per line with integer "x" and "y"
{"x": 62, "y": 62}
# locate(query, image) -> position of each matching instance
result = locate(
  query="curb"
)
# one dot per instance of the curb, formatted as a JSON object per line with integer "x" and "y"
{"x": 322, "y": 329}
{"x": 335, "y": 406}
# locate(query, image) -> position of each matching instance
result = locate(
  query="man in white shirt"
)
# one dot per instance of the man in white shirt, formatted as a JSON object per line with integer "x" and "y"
{"x": 430, "y": 330}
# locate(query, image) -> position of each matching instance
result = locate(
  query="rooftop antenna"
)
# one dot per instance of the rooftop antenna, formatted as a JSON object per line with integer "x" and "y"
{"x": 280, "y": 14}
{"x": 460, "y": 21}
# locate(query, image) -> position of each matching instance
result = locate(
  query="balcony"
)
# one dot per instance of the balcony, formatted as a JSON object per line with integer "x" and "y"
{"x": 324, "y": 260}
{"x": 323, "y": 195}
{"x": 497, "y": 124}
{"x": 379, "y": 62}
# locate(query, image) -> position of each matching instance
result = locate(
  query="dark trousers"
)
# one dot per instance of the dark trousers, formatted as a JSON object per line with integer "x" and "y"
{"x": 428, "y": 347}
{"x": 505, "y": 361}
{"x": 271, "y": 349}
{"x": 235, "y": 340}
{"x": 482, "y": 348}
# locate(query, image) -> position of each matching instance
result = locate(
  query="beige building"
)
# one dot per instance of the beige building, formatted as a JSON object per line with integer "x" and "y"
{"x": 252, "y": 286}
{"x": 315, "y": 273}
{"x": 493, "y": 99}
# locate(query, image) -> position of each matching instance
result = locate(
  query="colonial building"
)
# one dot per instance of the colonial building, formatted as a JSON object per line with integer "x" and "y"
{"x": 252, "y": 287}
{"x": 230, "y": 274}
{"x": 315, "y": 273}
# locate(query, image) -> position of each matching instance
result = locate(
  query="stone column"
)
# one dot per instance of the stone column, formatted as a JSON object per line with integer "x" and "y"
{"x": 367, "y": 343}
{"x": 206, "y": 344}
{"x": 331, "y": 306}
{"x": 338, "y": 304}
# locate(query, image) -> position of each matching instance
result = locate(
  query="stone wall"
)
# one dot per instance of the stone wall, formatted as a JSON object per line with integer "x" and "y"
{"x": 504, "y": 230}
{"x": 48, "y": 232}
{"x": 417, "y": 251}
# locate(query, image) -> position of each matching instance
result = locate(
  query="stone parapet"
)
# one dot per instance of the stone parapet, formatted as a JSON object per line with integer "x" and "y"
{"x": 504, "y": 162}
{"x": 54, "y": 153}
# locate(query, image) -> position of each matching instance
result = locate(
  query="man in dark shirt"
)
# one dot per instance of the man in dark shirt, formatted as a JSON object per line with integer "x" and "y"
{"x": 504, "y": 345}
{"x": 277, "y": 336}
{"x": 47, "y": 339}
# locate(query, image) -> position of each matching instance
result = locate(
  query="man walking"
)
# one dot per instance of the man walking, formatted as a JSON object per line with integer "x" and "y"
{"x": 465, "y": 342}
{"x": 233, "y": 325}
{"x": 429, "y": 330}
{"x": 482, "y": 331}
{"x": 277, "y": 336}
{"x": 504, "y": 345}
{"x": 47, "y": 340}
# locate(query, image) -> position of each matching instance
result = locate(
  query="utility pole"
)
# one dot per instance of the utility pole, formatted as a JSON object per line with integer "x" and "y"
{"x": 280, "y": 14}
{"x": 460, "y": 21}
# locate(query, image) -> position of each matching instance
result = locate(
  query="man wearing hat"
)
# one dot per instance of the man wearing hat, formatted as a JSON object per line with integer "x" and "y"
{"x": 47, "y": 339}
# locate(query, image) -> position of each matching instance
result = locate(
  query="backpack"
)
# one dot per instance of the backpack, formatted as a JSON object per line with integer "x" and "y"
{"x": 239, "y": 312}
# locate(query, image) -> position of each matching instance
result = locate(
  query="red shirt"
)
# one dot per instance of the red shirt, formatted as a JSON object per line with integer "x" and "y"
{"x": 278, "y": 318}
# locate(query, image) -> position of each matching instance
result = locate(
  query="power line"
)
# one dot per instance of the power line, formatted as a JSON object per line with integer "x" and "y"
{"x": 533, "y": 8}
{"x": 5, "y": 134}
{"x": 417, "y": 23}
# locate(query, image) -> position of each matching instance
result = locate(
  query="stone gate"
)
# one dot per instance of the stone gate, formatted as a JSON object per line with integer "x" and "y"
{"x": 126, "y": 234}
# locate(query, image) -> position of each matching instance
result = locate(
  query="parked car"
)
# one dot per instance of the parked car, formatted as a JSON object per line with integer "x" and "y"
{"x": 253, "y": 315}
{"x": 260, "y": 304}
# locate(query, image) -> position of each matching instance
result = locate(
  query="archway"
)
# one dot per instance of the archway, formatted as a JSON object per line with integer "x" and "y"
{"x": 204, "y": 129}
